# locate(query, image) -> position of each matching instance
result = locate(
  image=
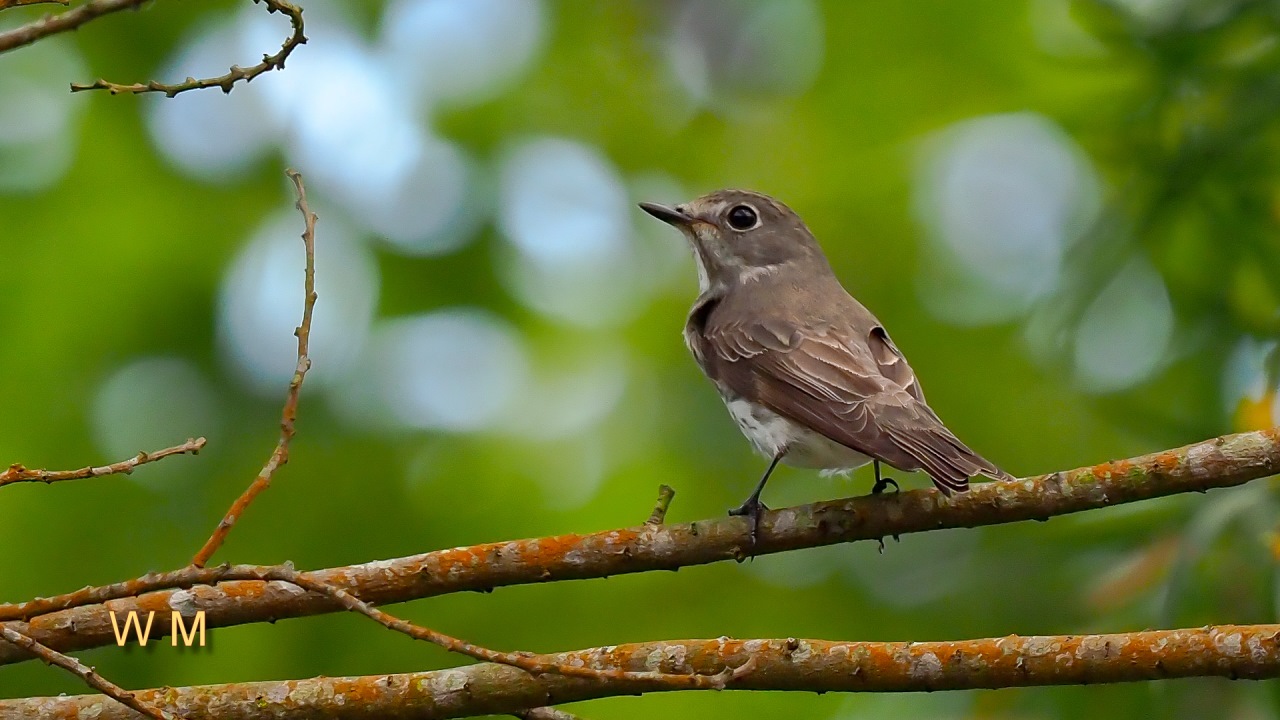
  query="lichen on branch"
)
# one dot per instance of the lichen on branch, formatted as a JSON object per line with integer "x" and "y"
{"x": 89, "y": 675}
{"x": 1240, "y": 652}
{"x": 79, "y": 619}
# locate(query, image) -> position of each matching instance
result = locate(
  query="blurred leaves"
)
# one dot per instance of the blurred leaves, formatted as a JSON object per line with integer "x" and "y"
{"x": 121, "y": 221}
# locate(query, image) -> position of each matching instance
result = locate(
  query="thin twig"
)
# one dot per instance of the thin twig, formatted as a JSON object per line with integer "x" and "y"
{"x": 84, "y": 672}
{"x": 279, "y": 456}
{"x": 62, "y": 22}
{"x": 18, "y": 473}
{"x": 1221, "y": 462}
{"x": 789, "y": 664}
{"x": 236, "y": 74}
{"x": 531, "y": 663}
{"x": 659, "y": 514}
{"x": 6, "y": 4}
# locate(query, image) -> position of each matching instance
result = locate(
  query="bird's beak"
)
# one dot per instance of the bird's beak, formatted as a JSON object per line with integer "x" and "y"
{"x": 668, "y": 215}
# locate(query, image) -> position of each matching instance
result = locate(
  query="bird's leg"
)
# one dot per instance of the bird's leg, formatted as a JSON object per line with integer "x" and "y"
{"x": 752, "y": 507}
{"x": 882, "y": 483}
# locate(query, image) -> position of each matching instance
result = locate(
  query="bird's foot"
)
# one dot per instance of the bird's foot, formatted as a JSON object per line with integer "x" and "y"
{"x": 884, "y": 483}
{"x": 753, "y": 509}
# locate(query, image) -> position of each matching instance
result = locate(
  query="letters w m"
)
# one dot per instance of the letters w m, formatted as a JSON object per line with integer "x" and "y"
{"x": 131, "y": 622}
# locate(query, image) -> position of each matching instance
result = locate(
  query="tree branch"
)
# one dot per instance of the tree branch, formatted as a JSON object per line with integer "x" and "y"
{"x": 529, "y": 662}
{"x": 17, "y": 473}
{"x": 1231, "y": 651}
{"x": 62, "y": 22}
{"x": 80, "y": 619}
{"x": 280, "y": 455}
{"x": 6, "y": 4}
{"x": 236, "y": 74}
{"x": 545, "y": 713}
{"x": 82, "y": 671}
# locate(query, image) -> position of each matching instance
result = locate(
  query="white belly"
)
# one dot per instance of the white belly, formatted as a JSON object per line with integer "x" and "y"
{"x": 771, "y": 434}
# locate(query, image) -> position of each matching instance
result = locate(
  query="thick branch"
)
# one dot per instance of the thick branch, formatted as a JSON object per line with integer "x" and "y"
{"x": 1221, "y": 462}
{"x": 529, "y": 662}
{"x": 1249, "y": 652}
{"x": 62, "y": 22}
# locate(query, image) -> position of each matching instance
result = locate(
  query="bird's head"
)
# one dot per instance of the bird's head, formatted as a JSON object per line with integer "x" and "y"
{"x": 739, "y": 235}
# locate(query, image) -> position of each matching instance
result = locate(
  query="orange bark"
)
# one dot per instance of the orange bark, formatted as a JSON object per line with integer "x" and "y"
{"x": 80, "y": 619}
{"x": 1238, "y": 652}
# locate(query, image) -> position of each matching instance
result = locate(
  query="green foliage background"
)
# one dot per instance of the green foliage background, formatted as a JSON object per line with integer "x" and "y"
{"x": 123, "y": 258}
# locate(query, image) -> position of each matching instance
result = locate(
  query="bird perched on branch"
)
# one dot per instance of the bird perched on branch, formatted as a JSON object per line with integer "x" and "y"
{"x": 808, "y": 373}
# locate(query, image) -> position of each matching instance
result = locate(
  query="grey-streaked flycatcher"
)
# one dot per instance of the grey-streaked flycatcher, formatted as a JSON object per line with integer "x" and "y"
{"x": 808, "y": 373}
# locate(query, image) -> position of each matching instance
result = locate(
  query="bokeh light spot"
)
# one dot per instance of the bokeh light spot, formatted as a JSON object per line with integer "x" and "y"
{"x": 435, "y": 208}
{"x": 153, "y": 403}
{"x": 1002, "y": 198}
{"x": 260, "y": 303}
{"x": 459, "y": 370}
{"x": 573, "y": 394}
{"x": 209, "y": 134}
{"x": 725, "y": 53}
{"x": 1125, "y": 331}
{"x": 461, "y": 50}
{"x": 1248, "y": 396}
{"x": 566, "y": 212}
{"x": 38, "y": 140}
{"x": 351, "y": 131}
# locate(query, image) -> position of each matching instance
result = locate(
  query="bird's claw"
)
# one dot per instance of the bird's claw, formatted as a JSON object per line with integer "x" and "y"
{"x": 882, "y": 484}
{"x": 753, "y": 509}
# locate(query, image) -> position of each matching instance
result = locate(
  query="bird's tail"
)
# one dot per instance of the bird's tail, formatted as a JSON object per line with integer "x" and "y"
{"x": 949, "y": 462}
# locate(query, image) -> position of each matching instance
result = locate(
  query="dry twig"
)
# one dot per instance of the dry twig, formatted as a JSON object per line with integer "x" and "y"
{"x": 236, "y": 74}
{"x": 62, "y": 22}
{"x": 84, "y": 672}
{"x": 187, "y": 577}
{"x": 530, "y": 663}
{"x": 1240, "y": 652}
{"x": 279, "y": 456}
{"x": 6, "y": 4}
{"x": 192, "y": 576}
{"x": 74, "y": 621}
{"x": 17, "y": 473}
{"x": 659, "y": 514}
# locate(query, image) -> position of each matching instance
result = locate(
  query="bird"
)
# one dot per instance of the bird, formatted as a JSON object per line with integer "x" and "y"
{"x": 808, "y": 373}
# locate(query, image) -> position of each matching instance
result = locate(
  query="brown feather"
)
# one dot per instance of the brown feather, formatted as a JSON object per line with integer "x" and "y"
{"x": 860, "y": 394}
{"x": 773, "y": 326}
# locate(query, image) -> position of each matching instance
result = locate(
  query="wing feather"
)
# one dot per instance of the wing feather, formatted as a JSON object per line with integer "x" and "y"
{"x": 857, "y": 391}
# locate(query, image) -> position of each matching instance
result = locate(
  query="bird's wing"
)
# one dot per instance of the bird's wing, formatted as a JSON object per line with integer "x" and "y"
{"x": 892, "y": 363}
{"x": 831, "y": 381}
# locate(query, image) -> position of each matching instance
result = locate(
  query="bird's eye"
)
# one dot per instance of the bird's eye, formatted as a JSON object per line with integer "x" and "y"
{"x": 743, "y": 217}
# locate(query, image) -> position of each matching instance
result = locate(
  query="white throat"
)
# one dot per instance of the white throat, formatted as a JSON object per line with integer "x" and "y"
{"x": 704, "y": 280}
